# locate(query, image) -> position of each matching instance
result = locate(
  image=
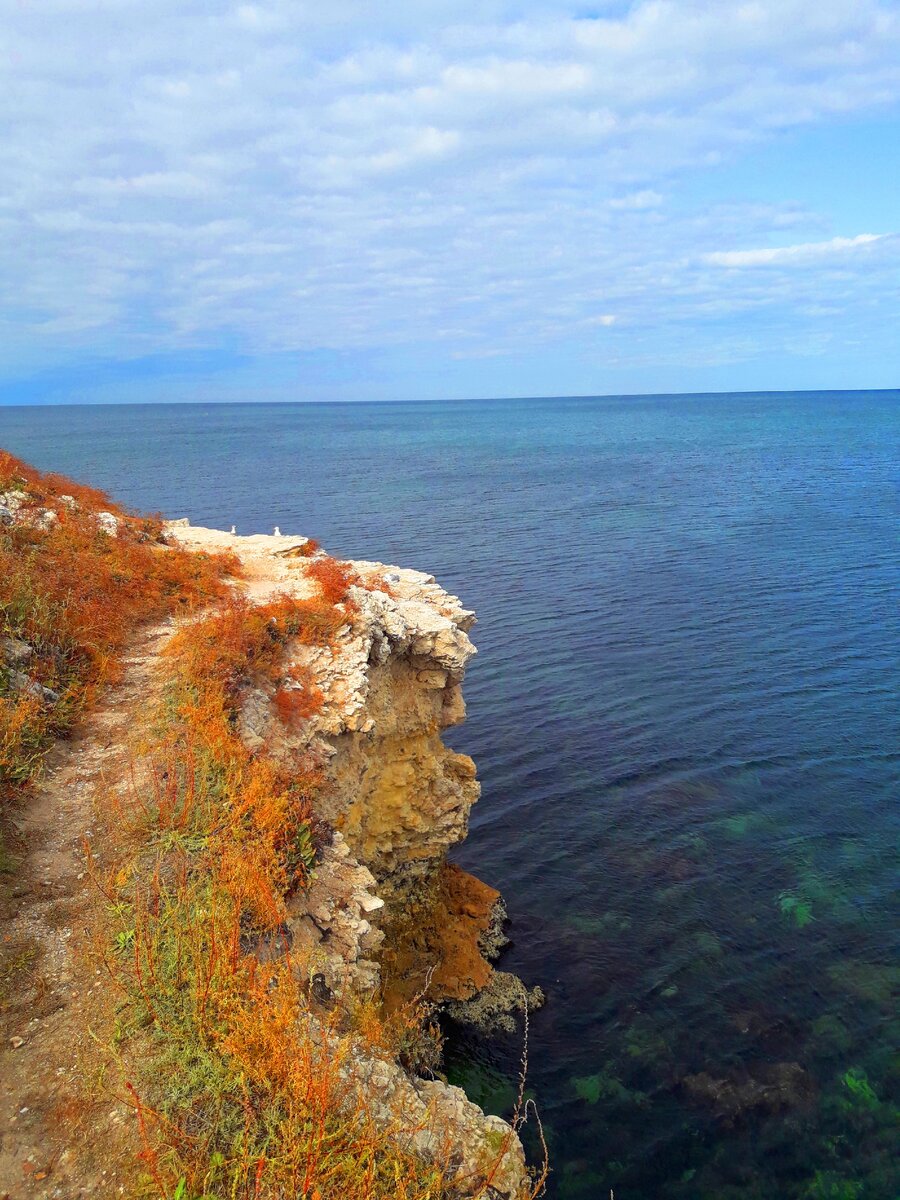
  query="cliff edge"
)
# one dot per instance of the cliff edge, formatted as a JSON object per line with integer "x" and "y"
{"x": 385, "y": 914}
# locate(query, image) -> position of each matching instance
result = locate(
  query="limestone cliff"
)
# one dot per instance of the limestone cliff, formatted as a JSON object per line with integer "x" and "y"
{"x": 385, "y": 912}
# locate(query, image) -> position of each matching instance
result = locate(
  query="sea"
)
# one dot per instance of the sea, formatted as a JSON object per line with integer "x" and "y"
{"x": 685, "y": 716}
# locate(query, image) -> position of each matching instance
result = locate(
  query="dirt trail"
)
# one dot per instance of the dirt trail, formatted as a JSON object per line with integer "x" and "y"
{"x": 65, "y": 1131}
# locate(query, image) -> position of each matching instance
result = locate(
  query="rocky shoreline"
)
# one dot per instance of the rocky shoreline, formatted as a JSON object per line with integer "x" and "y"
{"x": 386, "y": 913}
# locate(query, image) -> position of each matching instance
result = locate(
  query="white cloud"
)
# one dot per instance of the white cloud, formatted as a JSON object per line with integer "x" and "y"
{"x": 646, "y": 198}
{"x": 801, "y": 254}
{"x": 289, "y": 177}
{"x": 155, "y": 183}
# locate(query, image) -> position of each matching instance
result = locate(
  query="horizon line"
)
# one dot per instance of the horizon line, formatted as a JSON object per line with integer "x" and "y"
{"x": 451, "y": 399}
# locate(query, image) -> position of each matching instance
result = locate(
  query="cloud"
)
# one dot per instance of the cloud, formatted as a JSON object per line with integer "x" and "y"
{"x": 282, "y": 177}
{"x": 802, "y": 254}
{"x": 647, "y": 198}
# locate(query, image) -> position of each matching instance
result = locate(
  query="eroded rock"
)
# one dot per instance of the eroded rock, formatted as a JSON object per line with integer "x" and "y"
{"x": 108, "y": 523}
{"x": 15, "y": 652}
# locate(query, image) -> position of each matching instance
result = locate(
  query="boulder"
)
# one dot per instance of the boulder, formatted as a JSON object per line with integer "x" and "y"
{"x": 20, "y": 682}
{"x": 108, "y": 523}
{"x": 14, "y": 651}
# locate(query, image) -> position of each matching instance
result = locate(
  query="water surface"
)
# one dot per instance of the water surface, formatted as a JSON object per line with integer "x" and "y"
{"x": 685, "y": 717}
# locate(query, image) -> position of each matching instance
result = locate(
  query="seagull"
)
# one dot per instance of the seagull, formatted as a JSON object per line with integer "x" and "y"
{"x": 277, "y": 531}
{"x": 233, "y": 530}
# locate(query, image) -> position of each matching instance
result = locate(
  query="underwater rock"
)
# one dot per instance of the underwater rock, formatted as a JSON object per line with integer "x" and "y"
{"x": 774, "y": 1088}
{"x": 773, "y": 1034}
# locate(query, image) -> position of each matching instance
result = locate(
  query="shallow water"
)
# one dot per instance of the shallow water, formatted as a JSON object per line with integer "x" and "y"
{"x": 685, "y": 717}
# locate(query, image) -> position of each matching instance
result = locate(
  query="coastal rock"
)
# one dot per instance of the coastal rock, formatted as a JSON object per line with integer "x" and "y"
{"x": 385, "y": 913}
{"x": 331, "y": 935}
{"x": 497, "y": 1005}
{"x": 493, "y": 940}
{"x": 400, "y": 797}
{"x": 482, "y": 1154}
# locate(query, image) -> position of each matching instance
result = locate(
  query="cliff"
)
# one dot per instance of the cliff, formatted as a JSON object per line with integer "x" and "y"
{"x": 385, "y": 913}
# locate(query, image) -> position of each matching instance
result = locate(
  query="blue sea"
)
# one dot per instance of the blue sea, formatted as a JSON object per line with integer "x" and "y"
{"x": 685, "y": 716}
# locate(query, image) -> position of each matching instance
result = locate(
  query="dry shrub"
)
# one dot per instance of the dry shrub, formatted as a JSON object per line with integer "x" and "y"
{"x": 298, "y": 698}
{"x": 333, "y": 577}
{"x": 75, "y": 594}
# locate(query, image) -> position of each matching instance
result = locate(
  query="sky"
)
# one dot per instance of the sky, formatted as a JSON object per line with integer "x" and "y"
{"x": 283, "y": 200}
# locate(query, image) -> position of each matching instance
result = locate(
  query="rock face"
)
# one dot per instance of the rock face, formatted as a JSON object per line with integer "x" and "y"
{"x": 385, "y": 909}
{"x": 398, "y": 796}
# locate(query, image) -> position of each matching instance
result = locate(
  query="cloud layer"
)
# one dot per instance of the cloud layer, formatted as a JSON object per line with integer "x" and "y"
{"x": 470, "y": 181}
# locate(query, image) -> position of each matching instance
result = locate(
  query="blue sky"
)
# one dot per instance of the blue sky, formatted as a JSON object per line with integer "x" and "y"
{"x": 285, "y": 200}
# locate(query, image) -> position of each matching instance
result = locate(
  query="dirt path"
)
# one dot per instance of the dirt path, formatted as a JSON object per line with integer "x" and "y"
{"x": 64, "y": 1130}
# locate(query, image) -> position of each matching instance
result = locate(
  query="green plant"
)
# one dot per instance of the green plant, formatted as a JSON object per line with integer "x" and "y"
{"x": 796, "y": 909}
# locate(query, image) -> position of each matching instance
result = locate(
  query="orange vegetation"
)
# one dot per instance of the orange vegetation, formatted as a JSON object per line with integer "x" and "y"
{"x": 74, "y": 593}
{"x": 333, "y": 578}
{"x": 245, "y": 1095}
{"x": 298, "y": 697}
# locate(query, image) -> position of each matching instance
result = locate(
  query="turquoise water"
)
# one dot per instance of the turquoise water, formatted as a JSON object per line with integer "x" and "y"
{"x": 685, "y": 716}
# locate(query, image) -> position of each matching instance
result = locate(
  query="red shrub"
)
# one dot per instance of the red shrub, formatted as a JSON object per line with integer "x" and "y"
{"x": 333, "y": 578}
